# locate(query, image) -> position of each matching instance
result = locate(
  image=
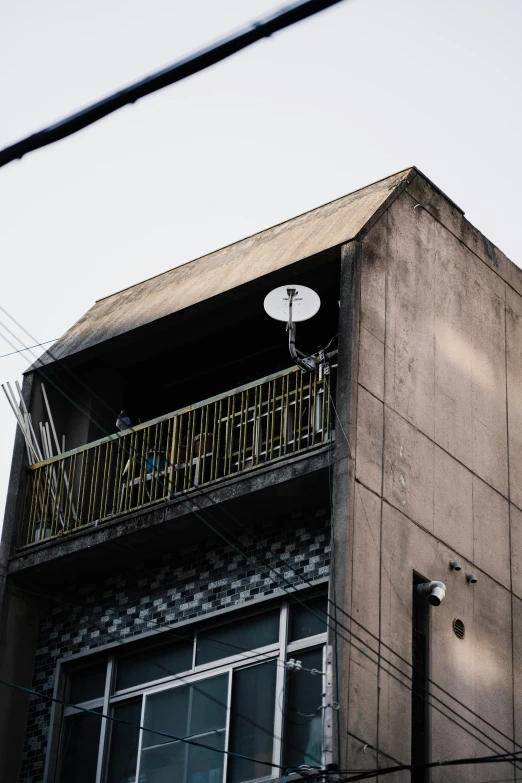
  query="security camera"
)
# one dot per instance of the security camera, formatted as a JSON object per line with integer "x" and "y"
{"x": 435, "y": 591}
{"x": 472, "y": 579}
{"x": 455, "y": 565}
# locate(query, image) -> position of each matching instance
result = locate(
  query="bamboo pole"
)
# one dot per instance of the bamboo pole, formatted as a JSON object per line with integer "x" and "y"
{"x": 23, "y": 407}
{"x": 21, "y": 423}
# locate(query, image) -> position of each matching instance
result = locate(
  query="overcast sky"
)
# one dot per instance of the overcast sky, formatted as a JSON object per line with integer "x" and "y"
{"x": 365, "y": 89}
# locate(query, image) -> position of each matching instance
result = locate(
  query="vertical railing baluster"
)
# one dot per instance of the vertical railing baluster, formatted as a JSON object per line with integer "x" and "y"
{"x": 219, "y": 449}
{"x": 154, "y": 465}
{"x": 189, "y": 466}
{"x": 181, "y": 452}
{"x": 118, "y": 477}
{"x": 170, "y": 452}
{"x": 47, "y": 510}
{"x": 205, "y": 435}
{"x": 215, "y": 436}
{"x": 37, "y": 500}
{"x": 32, "y": 486}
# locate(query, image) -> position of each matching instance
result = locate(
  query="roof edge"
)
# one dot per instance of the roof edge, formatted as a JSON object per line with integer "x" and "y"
{"x": 397, "y": 188}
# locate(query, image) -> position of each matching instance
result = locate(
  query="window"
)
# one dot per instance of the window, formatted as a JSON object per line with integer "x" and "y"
{"x": 223, "y": 688}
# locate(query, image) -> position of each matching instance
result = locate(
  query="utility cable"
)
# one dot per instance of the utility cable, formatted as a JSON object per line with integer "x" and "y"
{"x": 398, "y": 655}
{"x": 499, "y": 758}
{"x": 255, "y": 658}
{"x": 180, "y": 70}
{"x": 186, "y": 740}
{"x": 296, "y": 599}
{"x": 21, "y": 350}
{"x": 349, "y": 641}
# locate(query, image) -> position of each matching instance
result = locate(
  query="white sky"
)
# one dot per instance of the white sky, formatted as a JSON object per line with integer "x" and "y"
{"x": 332, "y": 104}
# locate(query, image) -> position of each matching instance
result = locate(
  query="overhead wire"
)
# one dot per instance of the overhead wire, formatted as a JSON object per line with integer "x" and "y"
{"x": 292, "y": 594}
{"x": 21, "y": 350}
{"x": 129, "y": 95}
{"x": 60, "y": 130}
{"x": 394, "y": 652}
{"x": 113, "y": 718}
{"x": 295, "y": 598}
{"x": 188, "y": 66}
{"x": 254, "y": 658}
{"x": 498, "y": 758}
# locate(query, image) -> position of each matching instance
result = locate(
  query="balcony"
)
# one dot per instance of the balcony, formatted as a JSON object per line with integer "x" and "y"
{"x": 242, "y": 430}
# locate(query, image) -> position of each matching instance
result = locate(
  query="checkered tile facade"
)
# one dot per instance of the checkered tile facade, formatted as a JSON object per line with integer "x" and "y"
{"x": 199, "y": 580}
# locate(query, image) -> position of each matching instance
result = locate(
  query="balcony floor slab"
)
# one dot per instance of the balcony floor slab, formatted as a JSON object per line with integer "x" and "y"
{"x": 183, "y": 521}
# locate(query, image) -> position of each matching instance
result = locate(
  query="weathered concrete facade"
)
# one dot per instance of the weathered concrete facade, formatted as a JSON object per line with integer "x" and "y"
{"x": 434, "y": 476}
{"x": 424, "y": 470}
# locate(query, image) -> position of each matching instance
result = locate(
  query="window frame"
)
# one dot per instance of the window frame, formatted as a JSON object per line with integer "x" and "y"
{"x": 279, "y": 651}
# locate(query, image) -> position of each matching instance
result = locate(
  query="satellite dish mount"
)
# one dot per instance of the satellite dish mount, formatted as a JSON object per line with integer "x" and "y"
{"x": 292, "y": 304}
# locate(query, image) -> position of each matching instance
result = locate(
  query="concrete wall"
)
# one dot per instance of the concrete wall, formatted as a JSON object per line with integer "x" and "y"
{"x": 436, "y": 468}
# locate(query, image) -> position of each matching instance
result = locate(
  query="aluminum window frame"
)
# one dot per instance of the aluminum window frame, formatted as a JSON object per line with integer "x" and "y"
{"x": 279, "y": 651}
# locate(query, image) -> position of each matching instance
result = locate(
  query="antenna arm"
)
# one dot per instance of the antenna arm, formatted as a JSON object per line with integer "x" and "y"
{"x": 306, "y": 363}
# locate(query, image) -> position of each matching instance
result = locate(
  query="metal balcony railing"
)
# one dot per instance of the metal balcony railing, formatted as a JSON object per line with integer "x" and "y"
{"x": 271, "y": 419}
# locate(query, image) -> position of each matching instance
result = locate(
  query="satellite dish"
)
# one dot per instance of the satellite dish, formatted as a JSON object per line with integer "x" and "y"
{"x": 292, "y": 303}
{"x": 305, "y": 303}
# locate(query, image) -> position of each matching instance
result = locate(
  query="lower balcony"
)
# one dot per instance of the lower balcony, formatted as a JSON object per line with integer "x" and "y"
{"x": 251, "y": 427}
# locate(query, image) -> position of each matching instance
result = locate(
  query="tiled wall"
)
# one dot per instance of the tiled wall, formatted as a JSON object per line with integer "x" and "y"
{"x": 201, "y": 579}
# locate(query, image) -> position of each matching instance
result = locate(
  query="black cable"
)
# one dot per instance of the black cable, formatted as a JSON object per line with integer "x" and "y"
{"x": 292, "y": 595}
{"x": 499, "y": 758}
{"x": 175, "y": 677}
{"x": 180, "y": 70}
{"x": 138, "y": 726}
{"x": 21, "y": 350}
{"x": 295, "y": 598}
{"x": 91, "y": 419}
{"x": 399, "y": 656}
{"x": 372, "y": 747}
{"x": 349, "y": 641}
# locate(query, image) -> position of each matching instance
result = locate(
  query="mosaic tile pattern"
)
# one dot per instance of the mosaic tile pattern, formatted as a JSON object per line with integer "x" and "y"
{"x": 200, "y": 580}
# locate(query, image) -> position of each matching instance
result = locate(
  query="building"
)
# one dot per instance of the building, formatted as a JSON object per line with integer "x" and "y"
{"x": 255, "y": 514}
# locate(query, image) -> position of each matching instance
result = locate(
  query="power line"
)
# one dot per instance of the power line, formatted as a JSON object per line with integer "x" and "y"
{"x": 498, "y": 758}
{"x": 20, "y": 350}
{"x": 102, "y": 715}
{"x": 365, "y": 774}
{"x": 295, "y": 598}
{"x": 293, "y": 595}
{"x": 180, "y": 70}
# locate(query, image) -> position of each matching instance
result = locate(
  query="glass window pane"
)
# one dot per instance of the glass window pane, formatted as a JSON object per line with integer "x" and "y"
{"x": 80, "y": 742}
{"x": 87, "y": 682}
{"x": 166, "y": 711}
{"x": 197, "y": 711}
{"x": 235, "y": 638}
{"x": 308, "y": 620}
{"x": 164, "y": 763}
{"x": 149, "y": 665}
{"x": 303, "y": 714}
{"x": 123, "y": 755}
{"x": 206, "y": 766}
{"x": 169, "y": 763}
{"x": 209, "y": 704}
{"x": 252, "y": 731}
